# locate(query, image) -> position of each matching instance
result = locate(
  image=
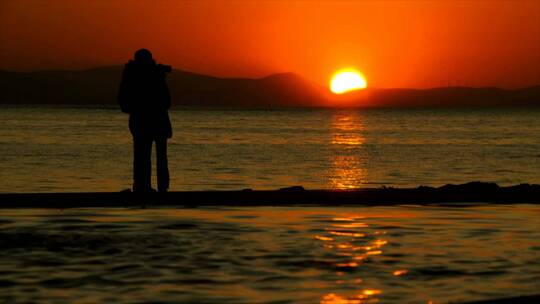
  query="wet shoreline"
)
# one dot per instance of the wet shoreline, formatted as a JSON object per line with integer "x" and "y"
{"x": 448, "y": 195}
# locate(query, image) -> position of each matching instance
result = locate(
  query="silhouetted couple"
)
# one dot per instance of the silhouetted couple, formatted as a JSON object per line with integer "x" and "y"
{"x": 145, "y": 96}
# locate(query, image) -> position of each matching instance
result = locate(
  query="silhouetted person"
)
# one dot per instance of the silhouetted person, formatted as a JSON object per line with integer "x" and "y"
{"x": 145, "y": 96}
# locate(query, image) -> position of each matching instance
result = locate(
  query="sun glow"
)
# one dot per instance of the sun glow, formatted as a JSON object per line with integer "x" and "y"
{"x": 347, "y": 80}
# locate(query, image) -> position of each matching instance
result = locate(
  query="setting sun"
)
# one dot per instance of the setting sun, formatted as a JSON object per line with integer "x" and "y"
{"x": 346, "y": 81}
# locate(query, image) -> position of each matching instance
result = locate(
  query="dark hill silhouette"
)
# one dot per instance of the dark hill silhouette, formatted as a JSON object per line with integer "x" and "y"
{"x": 94, "y": 86}
{"x": 99, "y": 86}
{"x": 285, "y": 89}
{"x": 456, "y": 96}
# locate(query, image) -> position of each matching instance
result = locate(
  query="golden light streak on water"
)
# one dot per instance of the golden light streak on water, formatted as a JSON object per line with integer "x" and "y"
{"x": 352, "y": 234}
{"x": 400, "y": 272}
{"x": 348, "y": 218}
{"x": 347, "y": 127}
{"x": 361, "y": 298}
{"x": 324, "y": 238}
{"x": 333, "y": 298}
{"x": 362, "y": 248}
{"x": 370, "y": 292}
{"x": 348, "y": 172}
{"x": 350, "y": 225}
{"x": 360, "y": 257}
{"x": 351, "y": 264}
{"x": 346, "y": 231}
{"x": 380, "y": 243}
{"x": 344, "y": 246}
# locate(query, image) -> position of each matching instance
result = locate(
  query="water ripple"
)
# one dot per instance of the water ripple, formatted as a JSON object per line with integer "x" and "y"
{"x": 269, "y": 255}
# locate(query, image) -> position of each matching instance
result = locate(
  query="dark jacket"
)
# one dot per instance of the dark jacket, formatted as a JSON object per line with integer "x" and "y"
{"x": 144, "y": 95}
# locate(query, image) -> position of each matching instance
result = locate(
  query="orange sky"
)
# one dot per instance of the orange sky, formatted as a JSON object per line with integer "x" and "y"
{"x": 394, "y": 43}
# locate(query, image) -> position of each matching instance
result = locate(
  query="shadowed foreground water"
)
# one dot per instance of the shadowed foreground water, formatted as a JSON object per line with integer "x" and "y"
{"x": 403, "y": 254}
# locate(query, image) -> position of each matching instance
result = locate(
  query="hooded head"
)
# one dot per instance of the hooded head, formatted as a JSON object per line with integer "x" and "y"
{"x": 143, "y": 56}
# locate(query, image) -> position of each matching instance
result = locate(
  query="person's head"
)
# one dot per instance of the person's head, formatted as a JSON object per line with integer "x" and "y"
{"x": 143, "y": 56}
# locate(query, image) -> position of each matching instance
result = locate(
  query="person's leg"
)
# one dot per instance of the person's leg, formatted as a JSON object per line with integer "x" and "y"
{"x": 162, "y": 165}
{"x": 142, "y": 164}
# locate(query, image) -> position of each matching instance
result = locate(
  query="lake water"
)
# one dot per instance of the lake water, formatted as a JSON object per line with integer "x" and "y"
{"x": 400, "y": 254}
{"x": 48, "y": 149}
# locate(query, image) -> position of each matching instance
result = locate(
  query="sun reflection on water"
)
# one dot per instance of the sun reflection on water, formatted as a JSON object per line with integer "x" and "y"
{"x": 346, "y": 233}
{"x": 400, "y": 272}
{"x": 347, "y": 168}
{"x": 352, "y": 245}
{"x": 347, "y": 129}
{"x": 323, "y": 238}
{"x": 351, "y": 225}
{"x": 361, "y": 298}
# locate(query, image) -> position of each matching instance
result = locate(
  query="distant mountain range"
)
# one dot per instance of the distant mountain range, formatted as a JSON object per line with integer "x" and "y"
{"x": 100, "y": 85}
